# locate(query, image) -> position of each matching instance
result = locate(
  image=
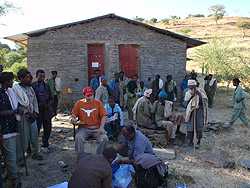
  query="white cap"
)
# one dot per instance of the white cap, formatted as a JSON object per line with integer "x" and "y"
{"x": 192, "y": 83}
{"x": 148, "y": 92}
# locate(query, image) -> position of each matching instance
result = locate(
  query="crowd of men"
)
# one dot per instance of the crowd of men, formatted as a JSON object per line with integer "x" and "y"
{"x": 26, "y": 106}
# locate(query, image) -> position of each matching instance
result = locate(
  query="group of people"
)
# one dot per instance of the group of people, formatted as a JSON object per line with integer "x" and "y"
{"x": 26, "y": 106}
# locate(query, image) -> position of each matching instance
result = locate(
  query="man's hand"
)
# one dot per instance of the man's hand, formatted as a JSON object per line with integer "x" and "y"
{"x": 73, "y": 120}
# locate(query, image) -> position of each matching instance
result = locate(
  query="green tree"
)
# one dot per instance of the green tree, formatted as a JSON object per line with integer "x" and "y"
{"x": 175, "y": 17}
{"x": 139, "y": 19}
{"x": 5, "y": 7}
{"x": 217, "y": 11}
{"x": 153, "y": 20}
{"x": 243, "y": 25}
{"x": 221, "y": 58}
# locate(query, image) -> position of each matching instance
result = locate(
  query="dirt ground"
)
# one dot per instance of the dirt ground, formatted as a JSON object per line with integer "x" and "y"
{"x": 191, "y": 168}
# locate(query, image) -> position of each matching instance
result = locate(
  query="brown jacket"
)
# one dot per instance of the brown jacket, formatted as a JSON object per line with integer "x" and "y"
{"x": 92, "y": 171}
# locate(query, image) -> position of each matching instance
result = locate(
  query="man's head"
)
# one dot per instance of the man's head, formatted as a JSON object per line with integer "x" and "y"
{"x": 129, "y": 131}
{"x": 157, "y": 77}
{"x": 40, "y": 75}
{"x": 169, "y": 77}
{"x": 104, "y": 81}
{"x": 54, "y": 74}
{"x": 96, "y": 73}
{"x": 141, "y": 84}
{"x": 121, "y": 74}
{"x": 210, "y": 76}
{"x": 6, "y": 79}
{"x": 112, "y": 101}
{"x": 110, "y": 154}
{"x": 88, "y": 93}
{"x": 192, "y": 84}
{"x": 25, "y": 77}
{"x": 117, "y": 76}
{"x": 186, "y": 77}
{"x": 147, "y": 93}
{"x": 1, "y": 68}
{"x": 236, "y": 81}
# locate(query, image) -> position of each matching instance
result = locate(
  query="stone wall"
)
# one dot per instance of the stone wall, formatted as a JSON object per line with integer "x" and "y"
{"x": 65, "y": 50}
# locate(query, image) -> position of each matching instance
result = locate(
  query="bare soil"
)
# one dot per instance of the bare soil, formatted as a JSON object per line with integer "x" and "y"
{"x": 189, "y": 167}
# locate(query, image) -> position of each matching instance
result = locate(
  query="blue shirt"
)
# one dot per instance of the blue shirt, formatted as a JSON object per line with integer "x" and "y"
{"x": 139, "y": 145}
{"x": 111, "y": 111}
{"x": 184, "y": 85}
{"x": 94, "y": 83}
{"x": 42, "y": 92}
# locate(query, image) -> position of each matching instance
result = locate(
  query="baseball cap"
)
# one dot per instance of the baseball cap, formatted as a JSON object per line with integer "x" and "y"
{"x": 88, "y": 91}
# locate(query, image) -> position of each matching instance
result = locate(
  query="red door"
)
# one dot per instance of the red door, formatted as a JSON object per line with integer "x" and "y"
{"x": 95, "y": 60}
{"x": 128, "y": 55}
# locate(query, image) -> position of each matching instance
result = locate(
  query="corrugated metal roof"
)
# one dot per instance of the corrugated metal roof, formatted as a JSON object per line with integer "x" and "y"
{"x": 23, "y": 37}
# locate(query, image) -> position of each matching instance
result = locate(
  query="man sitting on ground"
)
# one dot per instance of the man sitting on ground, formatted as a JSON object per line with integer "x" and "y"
{"x": 141, "y": 155}
{"x": 162, "y": 110}
{"x": 94, "y": 170}
{"x": 92, "y": 117}
{"x": 142, "y": 111}
{"x": 114, "y": 119}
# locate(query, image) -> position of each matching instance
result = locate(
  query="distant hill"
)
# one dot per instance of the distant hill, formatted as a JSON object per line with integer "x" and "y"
{"x": 205, "y": 28}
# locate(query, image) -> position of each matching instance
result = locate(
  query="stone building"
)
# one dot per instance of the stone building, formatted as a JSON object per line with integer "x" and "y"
{"x": 109, "y": 43}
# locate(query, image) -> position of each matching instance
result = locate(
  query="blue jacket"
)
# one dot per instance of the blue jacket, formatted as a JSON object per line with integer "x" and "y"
{"x": 94, "y": 83}
{"x": 116, "y": 109}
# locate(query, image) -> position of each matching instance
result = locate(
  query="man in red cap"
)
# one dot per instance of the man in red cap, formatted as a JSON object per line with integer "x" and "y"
{"x": 91, "y": 115}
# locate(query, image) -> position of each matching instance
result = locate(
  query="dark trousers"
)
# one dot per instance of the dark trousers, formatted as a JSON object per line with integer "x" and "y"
{"x": 44, "y": 120}
{"x": 147, "y": 178}
{"x": 55, "y": 104}
{"x": 113, "y": 129}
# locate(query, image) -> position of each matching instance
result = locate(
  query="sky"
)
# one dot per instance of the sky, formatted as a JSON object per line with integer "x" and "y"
{"x": 37, "y": 14}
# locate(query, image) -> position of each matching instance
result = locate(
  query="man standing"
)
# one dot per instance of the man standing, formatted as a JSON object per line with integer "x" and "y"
{"x": 131, "y": 96}
{"x": 115, "y": 119}
{"x": 93, "y": 171}
{"x": 141, "y": 89}
{"x": 92, "y": 117}
{"x": 171, "y": 89}
{"x": 95, "y": 82}
{"x": 122, "y": 84}
{"x": 102, "y": 92}
{"x": 29, "y": 107}
{"x": 115, "y": 88}
{"x": 196, "y": 113}
{"x": 142, "y": 110}
{"x": 162, "y": 110}
{"x": 8, "y": 125}
{"x": 210, "y": 88}
{"x": 55, "y": 87}
{"x": 45, "y": 102}
{"x": 239, "y": 108}
{"x": 157, "y": 85}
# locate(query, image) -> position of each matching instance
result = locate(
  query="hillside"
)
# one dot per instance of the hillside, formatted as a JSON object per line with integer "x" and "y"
{"x": 205, "y": 28}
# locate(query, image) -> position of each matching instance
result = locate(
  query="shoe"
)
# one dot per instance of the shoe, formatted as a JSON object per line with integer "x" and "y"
{"x": 37, "y": 157}
{"x": 45, "y": 149}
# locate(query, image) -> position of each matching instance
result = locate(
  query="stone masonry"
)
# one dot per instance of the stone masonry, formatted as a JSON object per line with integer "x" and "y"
{"x": 65, "y": 50}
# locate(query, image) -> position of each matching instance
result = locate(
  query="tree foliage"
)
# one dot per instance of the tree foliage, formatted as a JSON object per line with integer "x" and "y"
{"x": 13, "y": 58}
{"x": 243, "y": 25}
{"x": 140, "y": 19}
{"x": 221, "y": 58}
{"x": 175, "y": 17}
{"x": 5, "y": 7}
{"x": 217, "y": 11}
{"x": 196, "y": 15}
{"x": 153, "y": 20}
